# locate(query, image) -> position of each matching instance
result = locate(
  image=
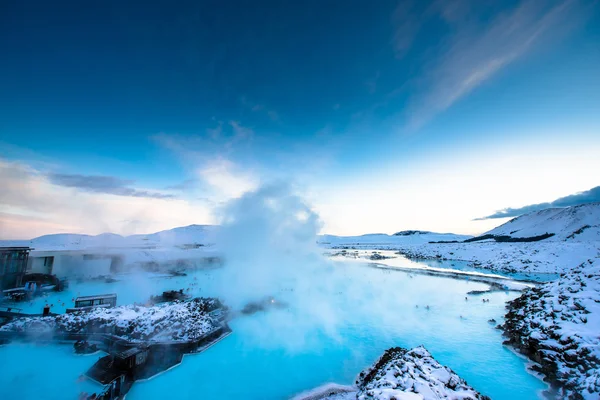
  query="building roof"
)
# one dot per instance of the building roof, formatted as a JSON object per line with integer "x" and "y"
{"x": 98, "y": 296}
{"x": 129, "y": 352}
{"x": 14, "y": 248}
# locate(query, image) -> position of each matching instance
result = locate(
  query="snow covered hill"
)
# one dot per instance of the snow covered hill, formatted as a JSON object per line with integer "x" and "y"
{"x": 577, "y": 223}
{"x": 191, "y": 234}
{"x": 182, "y": 236}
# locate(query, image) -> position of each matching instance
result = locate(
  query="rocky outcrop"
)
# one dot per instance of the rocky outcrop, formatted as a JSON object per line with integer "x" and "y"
{"x": 557, "y": 325}
{"x": 412, "y": 374}
{"x": 376, "y": 256}
{"x": 175, "y": 321}
{"x": 401, "y": 374}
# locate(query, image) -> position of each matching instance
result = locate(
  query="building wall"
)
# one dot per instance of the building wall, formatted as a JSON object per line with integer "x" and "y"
{"x": 69, "y": 264}
{"x": 41, "y": 265}
{"x": 13, "y": 263}
{"x": 80, "y": 266}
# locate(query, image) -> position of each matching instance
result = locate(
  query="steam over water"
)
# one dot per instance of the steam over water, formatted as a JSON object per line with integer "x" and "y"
{"x": 338, "y": 317}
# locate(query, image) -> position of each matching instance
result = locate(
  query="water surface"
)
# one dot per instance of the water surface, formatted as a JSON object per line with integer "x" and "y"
{"x": 337, "y": 325}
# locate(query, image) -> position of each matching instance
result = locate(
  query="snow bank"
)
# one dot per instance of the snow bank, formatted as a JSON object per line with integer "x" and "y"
{"x": 177, "y": 321}
{"x": 558, "y": 326}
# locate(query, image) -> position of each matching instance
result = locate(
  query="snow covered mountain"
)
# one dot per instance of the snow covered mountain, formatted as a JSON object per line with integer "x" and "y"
{"x": 191, "y": 234}
{"x": 577, "y": 223}
{"x": 181, "y": 236}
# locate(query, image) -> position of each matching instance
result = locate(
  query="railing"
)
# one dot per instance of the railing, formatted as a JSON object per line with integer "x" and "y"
{"x": 11, "y": 309}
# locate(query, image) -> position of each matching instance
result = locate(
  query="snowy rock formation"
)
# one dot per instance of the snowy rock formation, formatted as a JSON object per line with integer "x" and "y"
{"x": 401, "y": 374}
{"x": 177, "y": 321}
{"x": 557, "y": 325}
{"x": 411, "y": 374}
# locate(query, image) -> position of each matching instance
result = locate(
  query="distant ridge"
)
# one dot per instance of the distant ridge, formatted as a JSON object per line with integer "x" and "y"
{"x": 399, "y": 238}
{"x": 408, "y": 233}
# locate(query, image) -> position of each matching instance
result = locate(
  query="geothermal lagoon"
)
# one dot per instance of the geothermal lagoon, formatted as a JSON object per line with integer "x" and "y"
{"x": 336, "y": 319}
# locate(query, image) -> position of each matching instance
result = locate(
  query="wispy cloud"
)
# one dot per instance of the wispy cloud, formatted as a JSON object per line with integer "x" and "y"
{"x": 406, "y": 26}
{"x": 227, "y": 179}
{"x": 589, "y": 196}
{"x": 240, "y": 132}
{"x": 222, "y": 139}
{"x": 475, "y": 50}
{"x": 212, "y": 160}
{"x": 33, "y": 205}
{"x": 258, "y": 107}
{"x": 103, "y": 184}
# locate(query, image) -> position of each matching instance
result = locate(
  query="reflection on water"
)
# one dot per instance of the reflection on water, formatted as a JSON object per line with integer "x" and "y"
{"x": 326, "y": 335}
{"x": 396, "y": 260}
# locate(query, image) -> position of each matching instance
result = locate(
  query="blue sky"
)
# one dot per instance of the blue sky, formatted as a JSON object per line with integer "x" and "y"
{"x": 152, "y": 115}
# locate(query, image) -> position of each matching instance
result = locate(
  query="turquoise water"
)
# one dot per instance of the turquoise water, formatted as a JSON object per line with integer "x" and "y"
{"x": 49, "y": 372}
{"x": 335, "y": 325}
{"x": 130, "y": 288}
{"x": 466, "y": 266}
{"x": 454, "y": 265}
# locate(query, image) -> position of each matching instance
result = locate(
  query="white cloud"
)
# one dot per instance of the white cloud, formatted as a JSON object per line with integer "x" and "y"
{"x": 227, "y": 179}
{"x": 31, "y": 205}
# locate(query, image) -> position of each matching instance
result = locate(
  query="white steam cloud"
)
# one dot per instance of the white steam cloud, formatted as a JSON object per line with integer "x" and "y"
{"x": 268, "y": 239}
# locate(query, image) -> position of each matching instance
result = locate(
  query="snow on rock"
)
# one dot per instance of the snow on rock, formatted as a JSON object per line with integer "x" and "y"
{"x": 412, "y": 374}
{"x": 576, "y": 223}
{"x": 558, "y": 326}
{"x": 400, "y": 374}
{"x": 176, "y": 321}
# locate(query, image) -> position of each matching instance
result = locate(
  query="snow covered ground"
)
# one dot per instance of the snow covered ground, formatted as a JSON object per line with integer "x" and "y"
{"x": 532, "y": 257}
{"x": 576, "y": 239}
{"x": 401, "y": 374}
{"x": 179, "y": 321}
{"x": 558, "y": 326}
